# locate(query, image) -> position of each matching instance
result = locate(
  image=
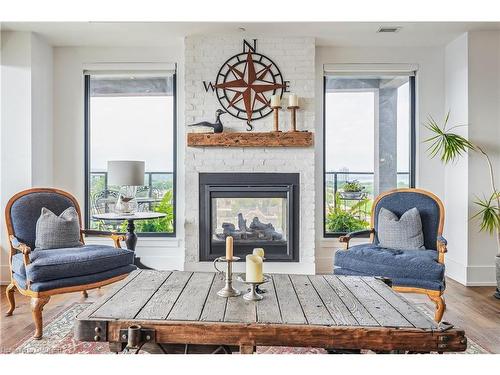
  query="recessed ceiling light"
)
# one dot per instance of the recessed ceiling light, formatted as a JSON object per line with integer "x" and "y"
{"x": 388, "y": 29}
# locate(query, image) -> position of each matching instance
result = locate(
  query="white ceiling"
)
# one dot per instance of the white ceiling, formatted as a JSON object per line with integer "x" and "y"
{"x": 327, "y": 33}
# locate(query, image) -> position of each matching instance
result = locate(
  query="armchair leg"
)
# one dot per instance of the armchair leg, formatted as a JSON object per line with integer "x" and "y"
{"x": 85, "y": 294}
{"x": 37, "y": 305}
{"x": 10, "y": 297}
{"x": 440, "y": 307}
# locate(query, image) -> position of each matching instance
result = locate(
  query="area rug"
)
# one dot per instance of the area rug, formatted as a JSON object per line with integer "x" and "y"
{"x": 58, "y": 339}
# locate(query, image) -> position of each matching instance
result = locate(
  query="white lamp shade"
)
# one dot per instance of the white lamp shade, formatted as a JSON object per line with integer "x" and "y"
{"x": 126, "y": 172}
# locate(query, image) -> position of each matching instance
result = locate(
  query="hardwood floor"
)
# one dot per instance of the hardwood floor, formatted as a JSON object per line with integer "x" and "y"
{"x": 472, "y": 308}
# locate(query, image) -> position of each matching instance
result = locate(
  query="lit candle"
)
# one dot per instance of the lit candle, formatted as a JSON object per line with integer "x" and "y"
{"x": 259, "y": 251}
{"x": 254, "y": 268}
{"x": 275, "y": 101}
{"x": 293, "y": 100}
{"x": 229, "y": 248}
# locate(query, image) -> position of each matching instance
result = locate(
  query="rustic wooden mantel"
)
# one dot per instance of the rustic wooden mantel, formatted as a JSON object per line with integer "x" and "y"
{"x": 251, "y": 139}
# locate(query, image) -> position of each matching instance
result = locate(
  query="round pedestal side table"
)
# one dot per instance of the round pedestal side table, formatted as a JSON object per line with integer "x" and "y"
{"x": 131, "y": 237}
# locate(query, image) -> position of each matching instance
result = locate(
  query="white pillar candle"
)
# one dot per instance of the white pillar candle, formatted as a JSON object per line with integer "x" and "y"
{"x": 293, "y": 100}
{"x": 254, "y": 268}
{"x": 275, "y": 101}
{"x": 229, "y": 247}
{"x": 259, "y": 251}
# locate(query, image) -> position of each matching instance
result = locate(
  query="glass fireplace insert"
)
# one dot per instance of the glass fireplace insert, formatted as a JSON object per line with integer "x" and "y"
{"x": 256, "y": 209}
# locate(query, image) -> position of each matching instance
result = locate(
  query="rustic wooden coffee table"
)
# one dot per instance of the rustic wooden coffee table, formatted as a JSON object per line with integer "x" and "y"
{"x": 172, "y": 312}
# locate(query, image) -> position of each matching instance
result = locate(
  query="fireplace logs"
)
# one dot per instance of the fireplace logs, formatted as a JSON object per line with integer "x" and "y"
{"x": 256, "y": 231}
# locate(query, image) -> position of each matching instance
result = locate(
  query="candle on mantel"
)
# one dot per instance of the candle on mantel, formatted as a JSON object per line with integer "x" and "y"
{"x": 259, "y": 251}
{"x": 275, "y": 101}
{"x": 254, "y": 269}
{"x": 229, "y": 248}
{"x": 293, "y": 100}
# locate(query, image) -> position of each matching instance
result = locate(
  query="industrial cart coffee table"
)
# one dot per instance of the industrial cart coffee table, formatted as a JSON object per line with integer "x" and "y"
{"x": 180, "y": 312}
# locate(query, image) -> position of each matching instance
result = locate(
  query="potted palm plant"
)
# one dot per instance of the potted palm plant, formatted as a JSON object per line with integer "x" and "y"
{"x": 449, "y": 146}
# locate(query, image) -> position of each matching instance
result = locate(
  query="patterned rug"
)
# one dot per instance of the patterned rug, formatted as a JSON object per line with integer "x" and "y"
{"x": 58, "y": 339}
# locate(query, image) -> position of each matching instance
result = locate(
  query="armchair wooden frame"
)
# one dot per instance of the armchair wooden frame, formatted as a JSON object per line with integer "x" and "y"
{"x": 40, "y": 299}
{"x": 436, "y": 296}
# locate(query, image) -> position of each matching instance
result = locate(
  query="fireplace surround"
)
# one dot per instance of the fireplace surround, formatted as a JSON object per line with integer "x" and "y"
{"x": 256, "y": 209}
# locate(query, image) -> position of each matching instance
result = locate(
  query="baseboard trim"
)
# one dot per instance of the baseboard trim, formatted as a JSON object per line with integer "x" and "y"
{"x": 456, "y": 271}
{"x": 481, "y": 276}
{"x": 4, "y": 274}
{"x": 479, "y": 283}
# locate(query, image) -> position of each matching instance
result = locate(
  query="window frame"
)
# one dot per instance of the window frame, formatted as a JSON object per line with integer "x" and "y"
{"x": 412, "y": 161}
{"x": 87, "y": 157}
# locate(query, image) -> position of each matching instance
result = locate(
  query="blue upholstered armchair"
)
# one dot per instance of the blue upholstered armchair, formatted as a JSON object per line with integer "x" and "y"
{"x": 40, "y": 274}
{"x": 416, "y": 271}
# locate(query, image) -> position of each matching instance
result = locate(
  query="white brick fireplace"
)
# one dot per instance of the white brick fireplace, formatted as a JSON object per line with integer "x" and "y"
{"x": 295, "y": 58}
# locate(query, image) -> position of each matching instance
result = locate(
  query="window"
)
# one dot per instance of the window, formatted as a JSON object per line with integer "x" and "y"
{"x": 131, "y": 117}
{"x": 369, "y": 145}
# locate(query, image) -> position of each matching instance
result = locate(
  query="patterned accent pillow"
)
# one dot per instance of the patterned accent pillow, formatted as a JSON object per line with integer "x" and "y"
{"x": 54, "y": 232}
{"x": 404, "y": 233}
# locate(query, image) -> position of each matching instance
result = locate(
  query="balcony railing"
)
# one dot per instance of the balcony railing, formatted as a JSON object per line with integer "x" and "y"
{"x": 153, "y": 180}
{"x": 351, "y": 213}
{"x": 155, "y": 195}
{"x": 337, "y": 179}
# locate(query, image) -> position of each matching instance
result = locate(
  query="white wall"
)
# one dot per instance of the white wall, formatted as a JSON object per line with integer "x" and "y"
{"x": 69, "y": 173}
{"x": 484, "y": 130}
{"x": 26, "y": 116}
{"x": 41, "y": 111}
{"x": 472, "y": 91}
{"x": 16, "y": 125}
{"x": 430, "y": 100}
{"x": 456, "y": 175}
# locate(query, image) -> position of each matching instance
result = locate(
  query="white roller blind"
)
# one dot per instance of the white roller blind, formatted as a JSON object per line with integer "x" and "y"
{"x": 136, "y": 69}
{"x": 370, "y": 70}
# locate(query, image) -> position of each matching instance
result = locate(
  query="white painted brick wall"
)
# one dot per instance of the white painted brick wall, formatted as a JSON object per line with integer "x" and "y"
{"x": 295, "y": 58}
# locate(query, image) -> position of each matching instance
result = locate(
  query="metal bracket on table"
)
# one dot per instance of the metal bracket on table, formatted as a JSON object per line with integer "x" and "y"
{"x": 444, "y": 339}
{"x": 91, "y": 330}
{"x": 135, "y": 336}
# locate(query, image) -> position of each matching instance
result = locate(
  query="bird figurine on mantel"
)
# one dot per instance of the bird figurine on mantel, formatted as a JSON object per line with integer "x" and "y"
{"x": 208, "y": 127}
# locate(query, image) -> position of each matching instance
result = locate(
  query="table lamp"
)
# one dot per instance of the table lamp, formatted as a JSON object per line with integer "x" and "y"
{"x": 128, "y": 175}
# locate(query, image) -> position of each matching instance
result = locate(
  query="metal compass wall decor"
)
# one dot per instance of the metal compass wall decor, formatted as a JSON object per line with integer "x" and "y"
{"x": 245, "y": 83}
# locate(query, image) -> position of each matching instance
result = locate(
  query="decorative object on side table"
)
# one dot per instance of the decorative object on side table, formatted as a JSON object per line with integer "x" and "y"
{"x": 131, "y": 237}
{"x": 208, "y": 127}
{"x": 275, "y": 104}
{"x": 293, "y": 105}
{"x": 128, "y": 175}
{"x": 228, "y": 290}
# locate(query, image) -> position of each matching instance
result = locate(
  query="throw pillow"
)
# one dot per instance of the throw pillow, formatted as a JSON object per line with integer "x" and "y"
{"x": 403, "y": 233}
{"x": 53, "y": 232}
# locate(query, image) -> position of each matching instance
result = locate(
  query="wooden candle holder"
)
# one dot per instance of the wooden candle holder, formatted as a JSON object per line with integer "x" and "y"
{"x": 276, "y": 118}
{"x": 293, "y": 111}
